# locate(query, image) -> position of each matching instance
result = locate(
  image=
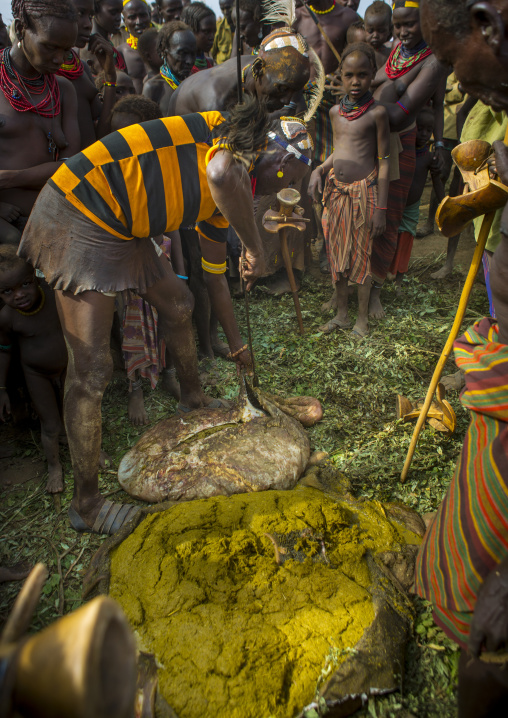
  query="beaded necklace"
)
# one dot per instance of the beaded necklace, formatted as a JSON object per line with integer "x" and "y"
{"x": 132, "y": 41}
{"x": 72, "y": 68}
{"x": 35, "y": 311}
{"x": 201, "y": 63}
{"x": 352, "y": 110}
{"x": 401, "y": 59}
{"x": 422, "y": 150}
{"x": 11, "y": 83}
{"x": 166, "y": 73}
{"x": 322, "y": 12}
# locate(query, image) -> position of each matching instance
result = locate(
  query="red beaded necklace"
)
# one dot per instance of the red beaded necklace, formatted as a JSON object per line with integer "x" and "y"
{"x": 352, "y": 110}
{"x": 16, "y": 86}
{"x": 72, "y": 68}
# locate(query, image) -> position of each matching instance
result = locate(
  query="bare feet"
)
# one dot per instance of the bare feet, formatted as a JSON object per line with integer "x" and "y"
{"x": 453, "y": 382}
{"x": 136, "y": 408}
{"x": 442, "y": 273}
{"x": 55, "y": 484}
{"x": 424, "y": 229}
{"x": 9, "y": 212}
{"x": 360, "y": 330}
{"x": 332, "y": 303}
{"x": 220, "y": 349}
{"x": 335, "y": 323}
{"x": 169, "y": 383}
{"x": 376, "y": 310}
{"x": 105, "y": 460}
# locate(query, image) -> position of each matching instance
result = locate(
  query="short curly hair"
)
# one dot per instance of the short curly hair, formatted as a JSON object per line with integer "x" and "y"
{"x": 379, "y": 7}
{"x": 140, "y": 106}
{"x": 166, "y": 33}
{"x": 364, "y": 49}
{"x": 194, "y": 14}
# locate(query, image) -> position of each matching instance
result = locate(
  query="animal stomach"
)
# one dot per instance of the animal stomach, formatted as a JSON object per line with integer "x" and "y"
{"x": 259, "y": 455}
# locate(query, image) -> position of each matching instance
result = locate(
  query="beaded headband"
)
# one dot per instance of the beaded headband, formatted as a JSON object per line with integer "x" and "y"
{"x": 284, "y": 37}
{"x": 406, "y": 3}
{"x": 289, "y": 148}
{"x": 126, "y": 1}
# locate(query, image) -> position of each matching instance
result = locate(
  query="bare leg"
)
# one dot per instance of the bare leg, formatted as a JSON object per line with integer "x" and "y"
{"x": 376, "y": 310}
{"x": 86, "y": 322}
{"x": 341, "y": 319}
{"x": 136, "y": 404}
{"x": 219, "y": 347}
{"x": 483, "y": 689}
{"x": 173, "y": 301}
{"x": 197, "y": 286}
{"x": 168, "y": 378}
{"x": 362, "y": 322}
{"x": 447, "y": 268}
{"x": 45, "y": 400}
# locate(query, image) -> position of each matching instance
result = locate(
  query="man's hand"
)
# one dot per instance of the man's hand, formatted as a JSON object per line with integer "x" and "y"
{"x": 489, "y": 628}
{"x": 244, "y": 361}
{"x": 378, "y": 225}
{"x": 499, "y": 164}
{"x": 252, "y": 267}
{"x": 315, "y": 188}
{"x": 5, "y": 405}
{"x": 104, "y": 52}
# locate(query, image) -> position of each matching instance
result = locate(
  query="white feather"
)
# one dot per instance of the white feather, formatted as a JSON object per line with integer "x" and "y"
{"x": 316, "y": 94}
{"x": 279, "y": 11}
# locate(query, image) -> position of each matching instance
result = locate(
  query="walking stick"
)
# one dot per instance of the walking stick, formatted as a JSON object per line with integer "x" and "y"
{"x": 464, "y": 298}
{"x": 470, "y": 173}
{"x": 323, "y": 33}
{"x": 289, "y": 215}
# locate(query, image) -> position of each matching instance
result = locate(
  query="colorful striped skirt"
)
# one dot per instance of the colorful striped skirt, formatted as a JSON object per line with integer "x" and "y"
{"x": 469, "y": 535}
{"x": 347, "y": 219}
{"x": 384, "y": 247}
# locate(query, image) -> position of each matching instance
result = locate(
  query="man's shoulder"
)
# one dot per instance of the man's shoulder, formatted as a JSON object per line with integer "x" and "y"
{"x": 344, "y": 14}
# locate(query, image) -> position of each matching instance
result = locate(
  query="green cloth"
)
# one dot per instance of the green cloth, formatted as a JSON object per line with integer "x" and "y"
{"x": 410, "y": 218}
{"x": 223, "y": 42}
{"x": 484, "y": 124}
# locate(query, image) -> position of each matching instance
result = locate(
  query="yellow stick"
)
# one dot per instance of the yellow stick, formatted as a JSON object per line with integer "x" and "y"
{"x": 464, "y": 298}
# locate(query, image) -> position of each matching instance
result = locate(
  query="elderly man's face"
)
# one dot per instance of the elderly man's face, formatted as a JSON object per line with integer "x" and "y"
{"x": 478, "y": 59}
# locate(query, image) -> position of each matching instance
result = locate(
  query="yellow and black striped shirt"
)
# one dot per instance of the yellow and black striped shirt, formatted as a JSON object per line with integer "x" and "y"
{"x": 146, "y": 179}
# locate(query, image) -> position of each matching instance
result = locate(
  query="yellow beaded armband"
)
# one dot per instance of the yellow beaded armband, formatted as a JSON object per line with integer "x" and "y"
{"x": 213, "y": 268}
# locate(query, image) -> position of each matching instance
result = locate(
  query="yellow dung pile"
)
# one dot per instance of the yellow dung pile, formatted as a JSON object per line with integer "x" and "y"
{"x": 236, "y": 633}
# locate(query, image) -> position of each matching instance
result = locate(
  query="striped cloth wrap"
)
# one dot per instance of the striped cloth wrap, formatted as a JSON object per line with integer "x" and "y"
{"x": 469, "y": 535}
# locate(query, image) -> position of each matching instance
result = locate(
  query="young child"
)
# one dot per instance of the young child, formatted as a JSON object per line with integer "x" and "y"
{"x": 356, "y": 33}
{"x": 356, "y": 189}
{"x": 425, "y": 161}
{"x": 30, "y": 320}
{"x": 378, "y": 30}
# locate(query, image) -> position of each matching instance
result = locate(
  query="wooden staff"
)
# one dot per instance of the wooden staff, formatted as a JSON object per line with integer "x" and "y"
{"x": 323, "y": 33}
{"x": 461, "y": 310}
{"x": 289, "y": 270}
{"x": 464, "y": 298}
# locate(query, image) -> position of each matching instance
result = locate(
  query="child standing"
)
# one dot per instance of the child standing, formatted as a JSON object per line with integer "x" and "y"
{"x": 356, "y": 189}
{"x": 378, "y": 30}
{"x": 425, "y": 161}
{"x": 30, "y": 319}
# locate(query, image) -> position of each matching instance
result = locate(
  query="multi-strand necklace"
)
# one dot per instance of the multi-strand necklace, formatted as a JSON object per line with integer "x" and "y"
{"x": 166, "y": 73}
{"x": 352, "y": 110}
{"x": 72, "y": 68}
{"x": 13, "y": 85}
{"x": 402, "y": 59}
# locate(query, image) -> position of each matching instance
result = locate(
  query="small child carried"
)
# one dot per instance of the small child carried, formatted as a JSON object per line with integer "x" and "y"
{"x": 356, "y": 188}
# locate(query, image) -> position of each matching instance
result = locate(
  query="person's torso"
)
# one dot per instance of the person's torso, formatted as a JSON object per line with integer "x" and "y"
{"x": 146, "y": 179}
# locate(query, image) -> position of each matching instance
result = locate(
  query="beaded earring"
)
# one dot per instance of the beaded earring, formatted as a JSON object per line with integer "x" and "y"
{"x": 280, "y": 173}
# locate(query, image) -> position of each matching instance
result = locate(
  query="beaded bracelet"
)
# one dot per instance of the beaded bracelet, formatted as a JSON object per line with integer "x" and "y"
{"x": 384, "y": 158}
{"x": 404, "y": 108}
{"x": 109, "y": 84}
{"x": 233, "y": 355}
{"x": 181, "y": 276}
